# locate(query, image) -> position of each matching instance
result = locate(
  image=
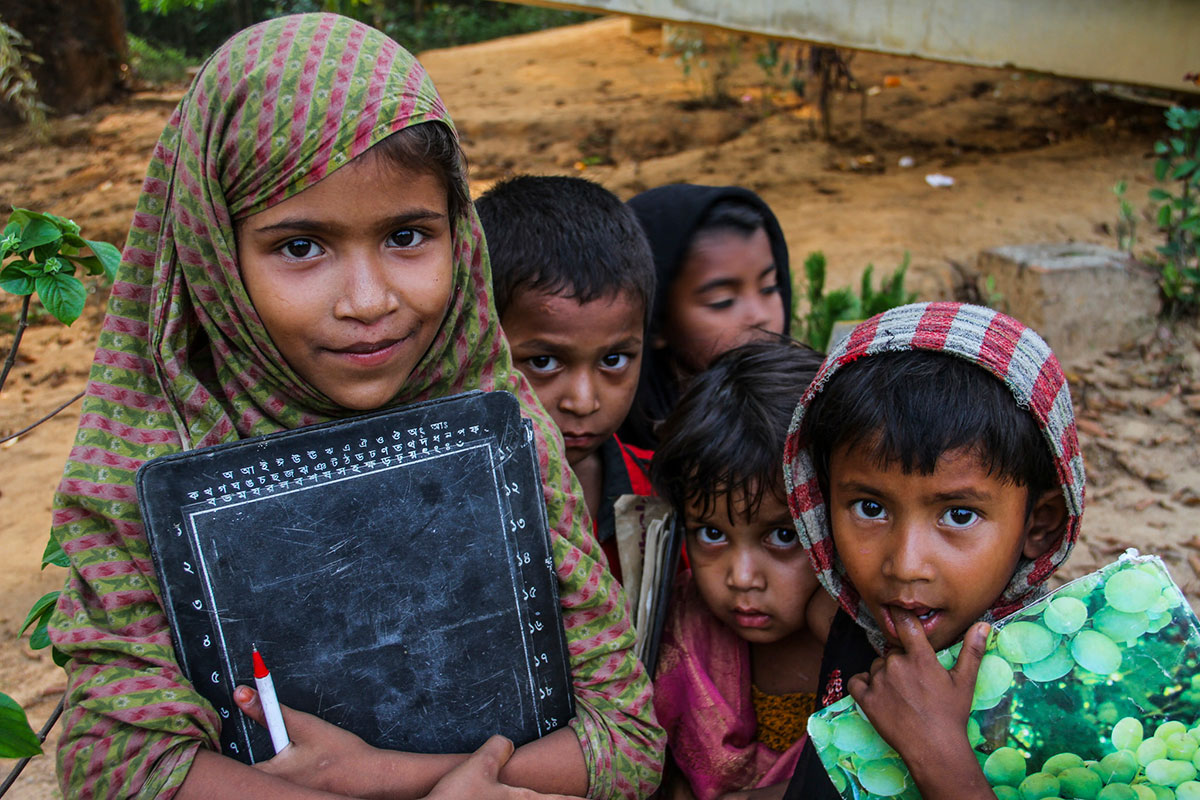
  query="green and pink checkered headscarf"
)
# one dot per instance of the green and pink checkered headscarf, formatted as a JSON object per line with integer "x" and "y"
{"x": 995, "y": 342}
{"x": 184, "y": 361}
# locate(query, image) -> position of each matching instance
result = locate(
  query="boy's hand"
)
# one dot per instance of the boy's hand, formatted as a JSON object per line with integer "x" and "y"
{"x": 920, "y": 708}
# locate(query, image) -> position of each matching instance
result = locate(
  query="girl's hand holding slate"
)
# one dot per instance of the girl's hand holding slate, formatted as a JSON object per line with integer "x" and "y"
{"x": 328, "y": 758}
{"x": 321, "y": 756}
{"x": 921, "y": 709}
{"x": 478, "y": 777}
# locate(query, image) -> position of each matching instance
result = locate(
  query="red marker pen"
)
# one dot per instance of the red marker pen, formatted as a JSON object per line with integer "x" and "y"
{"x": 270, "y": 703}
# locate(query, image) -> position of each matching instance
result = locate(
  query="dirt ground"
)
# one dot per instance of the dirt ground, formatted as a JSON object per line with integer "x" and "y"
{"x": 1033, "y": 159}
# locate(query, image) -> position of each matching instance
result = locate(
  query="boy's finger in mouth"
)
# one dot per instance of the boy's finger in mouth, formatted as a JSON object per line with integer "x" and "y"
{"x": 925, "y": 616}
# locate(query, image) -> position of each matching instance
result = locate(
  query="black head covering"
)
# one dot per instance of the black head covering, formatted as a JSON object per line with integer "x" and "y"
{"x": 670, "y": 216}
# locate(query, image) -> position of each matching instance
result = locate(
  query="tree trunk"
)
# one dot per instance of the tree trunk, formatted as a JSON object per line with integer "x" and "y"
{"x": 82, "y": 45}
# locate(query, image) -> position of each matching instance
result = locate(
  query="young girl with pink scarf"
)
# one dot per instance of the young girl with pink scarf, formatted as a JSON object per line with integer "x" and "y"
{"x": 739, "y": 657}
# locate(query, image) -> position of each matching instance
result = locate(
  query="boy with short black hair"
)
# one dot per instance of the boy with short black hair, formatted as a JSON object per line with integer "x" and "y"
{"x": 935, "y": 478}
{"x": 574, "y": 282}
{"x": 739, "y": 654}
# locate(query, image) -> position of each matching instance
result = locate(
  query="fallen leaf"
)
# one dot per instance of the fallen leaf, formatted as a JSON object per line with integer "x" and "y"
{"x": 1143, "y": 504}
{"x": 1194, "y": 561}
{"x": 1091, "y": 428}
{"x": 1187, "y": 495}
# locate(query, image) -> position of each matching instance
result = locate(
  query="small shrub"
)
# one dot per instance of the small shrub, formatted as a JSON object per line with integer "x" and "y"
{"x": 707, "y": 58}
{"x": 1177, "y": 211}
{"x": 18, "y": 89}
{"x": 157, "y": 65}
{"x": 825, "y": 309}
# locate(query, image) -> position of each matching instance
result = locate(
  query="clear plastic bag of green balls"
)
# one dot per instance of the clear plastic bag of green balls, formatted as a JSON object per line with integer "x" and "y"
{"x": 1093, "y": 693}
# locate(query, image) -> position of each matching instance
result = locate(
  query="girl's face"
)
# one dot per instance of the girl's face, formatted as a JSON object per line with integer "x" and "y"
{"x": 752, "y": 571}
{"x": 726, "y": 294}
{"x": 352, "y": 277}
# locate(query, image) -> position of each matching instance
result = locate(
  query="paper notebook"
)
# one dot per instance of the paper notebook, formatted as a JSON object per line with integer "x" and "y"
{"x": 394, "y": 570}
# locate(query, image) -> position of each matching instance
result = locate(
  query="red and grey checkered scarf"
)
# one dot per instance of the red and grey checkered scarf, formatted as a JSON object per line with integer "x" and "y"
{"x": 1005, "y": 348}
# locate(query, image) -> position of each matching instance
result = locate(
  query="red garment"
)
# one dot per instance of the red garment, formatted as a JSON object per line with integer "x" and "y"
{"x": 624, "y": 476}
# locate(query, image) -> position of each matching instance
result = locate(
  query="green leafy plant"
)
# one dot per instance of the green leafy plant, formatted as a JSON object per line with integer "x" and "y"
{"x": 826, "y": 309}
{"x": 707, "y": 57}
{"x": 779, "y": 72}
{"x": 155, "y": 64}
{"x": 17, "y": 85}
{"x": 40, "y": 254}
{"x": 1126, "y": 219}
{"x": 1177, "y": 212}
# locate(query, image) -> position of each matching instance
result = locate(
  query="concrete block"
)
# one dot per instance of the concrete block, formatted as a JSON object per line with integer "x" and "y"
{"x": 1083, "y": 299}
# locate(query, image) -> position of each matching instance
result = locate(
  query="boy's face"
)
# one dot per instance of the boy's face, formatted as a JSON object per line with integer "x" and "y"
{"x": 944, "y": 545}
{"x": 582, "y": 360}
{"x": 725, "y": 295}
{"x": 753, "y": 573}
{"x": 351, "y": 278}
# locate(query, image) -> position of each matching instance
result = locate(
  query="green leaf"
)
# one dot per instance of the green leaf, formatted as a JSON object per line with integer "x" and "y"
{"x": 63, "y": 296}
{"x": 1164, "y": 216}
{"x": 814, "y": 272}
{"x": 40, "y": 638}
{"x": 39, "y": 232}
{"x": 89, "y": 263}
{"x": 1159, "y": 195}
{"x": 16, "y": 281}
{"x": 1160, "y": 169}
{"x": 60, "y": 658}
{"x": 109, "y": 256}
{"x": 40, "y": 610}
{"x": 54, "y": 554}
{"x": 17, "y": 739}
{"x": 47, "y": 251}
{"x": 1161, "y": 149}
{"x": 1183, "y": 170}
{"x": 1178, "y": 145}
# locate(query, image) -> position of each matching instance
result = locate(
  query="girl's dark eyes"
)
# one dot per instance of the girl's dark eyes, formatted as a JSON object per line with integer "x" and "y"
{"x": 783, "y": 537}
{"x": 720, "y": 304}
{"x": 406, "y": 238}
{"x": 302, "y": 248}
{"x": 708, "y": 535}
{"x": 542, "y": 363}
{"x": 774, "y": 288}
{"x": 615, "y": 360}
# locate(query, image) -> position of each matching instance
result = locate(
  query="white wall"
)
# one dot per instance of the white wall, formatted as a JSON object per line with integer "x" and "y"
{"x": 1149, "y": 42}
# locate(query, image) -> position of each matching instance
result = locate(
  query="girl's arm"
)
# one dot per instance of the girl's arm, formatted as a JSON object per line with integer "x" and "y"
{"x": 326, "y": 757}
{"x": 213, "y": 775}
{"x": 921, "y": 710}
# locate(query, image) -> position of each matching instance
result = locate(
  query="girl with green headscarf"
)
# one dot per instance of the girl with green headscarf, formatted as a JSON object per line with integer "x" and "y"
{"x": 304, "y": 249}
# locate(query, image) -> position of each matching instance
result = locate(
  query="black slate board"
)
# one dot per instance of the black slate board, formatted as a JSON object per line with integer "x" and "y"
{"x": 394, "y": 570}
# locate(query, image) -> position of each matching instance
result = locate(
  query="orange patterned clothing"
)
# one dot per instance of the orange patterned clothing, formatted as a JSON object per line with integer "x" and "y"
{"x": 782, "y": 718}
